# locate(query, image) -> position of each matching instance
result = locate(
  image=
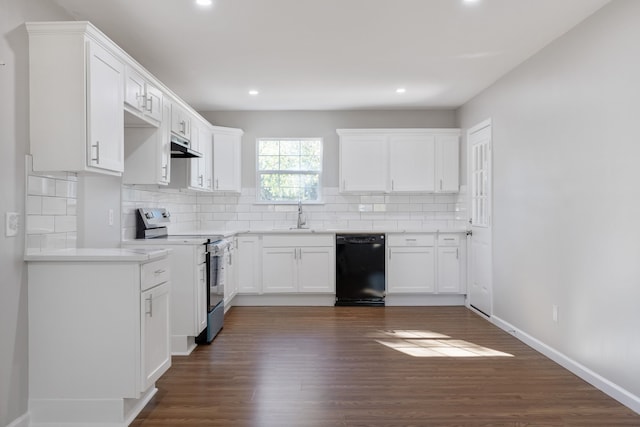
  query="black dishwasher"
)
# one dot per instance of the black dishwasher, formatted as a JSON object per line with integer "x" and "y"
{"x": 360, "y": 278}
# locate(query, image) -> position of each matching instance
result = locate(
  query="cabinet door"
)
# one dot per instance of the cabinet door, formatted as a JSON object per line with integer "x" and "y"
{"x": 134, "y": 90}
{"x": 180, "y": 122}
{"x": 205, "y": 163}
{"x": 363, "y": 163}
{"x": 201, "y": 300}
{"x": 447, "y": 163}
{"x": 106, "y": 118}
{"x": 411, "y": 162}
{"x": 449, "y": 270}
{"x": 316, "y": 269}
{"x": 278, "y": 270}
{"x": 155, "y": 337}
{"x": 153, "y": 102}
{"x": 226, "y": 162}
{"x": 248, "y": 258}
{"x": 411, "y": 270}
{"x": 165, "y": 145}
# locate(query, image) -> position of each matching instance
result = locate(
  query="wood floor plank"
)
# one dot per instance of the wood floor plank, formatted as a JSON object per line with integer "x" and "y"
{"x": 372, "y": 366}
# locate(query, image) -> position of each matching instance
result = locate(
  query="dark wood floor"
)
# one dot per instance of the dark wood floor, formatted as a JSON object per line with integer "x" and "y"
{"x": 326, "y": 366}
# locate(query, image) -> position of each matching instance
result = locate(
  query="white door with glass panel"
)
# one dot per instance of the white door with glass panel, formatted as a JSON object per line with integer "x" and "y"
{"x": 480, "y": 277}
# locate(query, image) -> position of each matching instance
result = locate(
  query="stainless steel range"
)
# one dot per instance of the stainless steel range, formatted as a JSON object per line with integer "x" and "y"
{"x": 151, "y": 223}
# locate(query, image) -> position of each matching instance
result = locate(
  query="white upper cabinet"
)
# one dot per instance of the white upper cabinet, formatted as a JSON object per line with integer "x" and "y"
{"x": 227, "y": 158}
{"x": 181, "y": 123}
{"x": 399, "y": 160}
{"x": 447, "y": 155}
{"x": 147, "y": 156}
{"x": 363, "y": 163}
{"x": 76, "y": 99}
{"x": 142, "y": 98}
{"x": 195, "y": 173}
{"x": 411, "y": 160}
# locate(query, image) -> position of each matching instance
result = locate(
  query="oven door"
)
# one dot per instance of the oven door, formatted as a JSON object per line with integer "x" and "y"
{"x": 215, "y": 279}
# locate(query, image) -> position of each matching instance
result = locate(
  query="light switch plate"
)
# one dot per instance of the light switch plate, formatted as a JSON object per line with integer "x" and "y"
{"x": 12, "y": 223}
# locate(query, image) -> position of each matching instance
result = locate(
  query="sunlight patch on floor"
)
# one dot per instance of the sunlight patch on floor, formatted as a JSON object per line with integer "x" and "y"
{"x": 433, "y": 344}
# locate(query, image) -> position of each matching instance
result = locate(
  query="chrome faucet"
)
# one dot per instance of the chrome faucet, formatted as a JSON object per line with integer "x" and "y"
{"x": 301, "y": 220}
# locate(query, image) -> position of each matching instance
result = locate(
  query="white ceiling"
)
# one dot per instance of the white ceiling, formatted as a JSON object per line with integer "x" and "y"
{"x": 330, "y": 54}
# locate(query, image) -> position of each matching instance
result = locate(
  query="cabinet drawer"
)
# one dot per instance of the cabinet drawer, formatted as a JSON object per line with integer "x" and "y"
{"x": 285, "y": 241}
{"x": 154, "y": 273}
{"x": 410, "y": 240}
{"x": 449, "y": 240}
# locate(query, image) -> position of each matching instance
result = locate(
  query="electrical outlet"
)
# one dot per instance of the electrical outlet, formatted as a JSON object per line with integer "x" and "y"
{"x": 555, "y": 313}
{"x": 12, "y": 224}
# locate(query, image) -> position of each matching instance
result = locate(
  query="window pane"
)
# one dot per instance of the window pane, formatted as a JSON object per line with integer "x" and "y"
{"x": 289, "y": 148}
{"x": 313, "y": 147}
{"x": 268, "y": 162}
{"x": 290, "y": 163}
{"x": 310, "y": 163}
{"x": 268, "y": 147}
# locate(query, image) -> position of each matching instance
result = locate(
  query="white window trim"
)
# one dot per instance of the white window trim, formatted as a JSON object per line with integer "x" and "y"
{"x": 319, "y": 201}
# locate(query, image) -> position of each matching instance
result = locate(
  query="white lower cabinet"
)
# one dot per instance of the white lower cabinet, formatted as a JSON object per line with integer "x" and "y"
{"x": 450, "y": 264}
{"x": 428, "y": 263}
{"x": 155, "y": 325}
{"x": 292, "y": 264}
{"x": 411, "y": 263}
{"x": 230, "y": 273}
{"x": 98, "y": 338}
{"x": 188, "y": 291}
{"x": 248, "y": 259}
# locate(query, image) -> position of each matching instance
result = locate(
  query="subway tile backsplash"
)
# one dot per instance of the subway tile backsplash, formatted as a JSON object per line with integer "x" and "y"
{"x": 51, "y": 220}
{"x": 227, "y": 211}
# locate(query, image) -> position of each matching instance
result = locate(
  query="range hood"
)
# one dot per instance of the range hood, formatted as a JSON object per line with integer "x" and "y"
{"x": 181, "y": 148}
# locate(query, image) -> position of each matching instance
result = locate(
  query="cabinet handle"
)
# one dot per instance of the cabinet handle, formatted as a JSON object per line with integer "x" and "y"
{"x": 164, "y": 171}
{"x": 457, "y": 253}
{"x": 295, "y": 254}
{"x": 150, "y": 300}
{"x": 150, "y": 101}
{"x": 201, "y": 180}
{"x": 440, "y": 184}
{"x": 157, "y": 272}
{"x": 97, "y": 147}
{"x": 392, "y": 185}
{"x": 230, "y": 258}
{"x": 183, "y": 125}
{"x": 300, "y": 254}
{"x": 389, "y": 253}
{"x": 410, "y": 240}
{"x": 217, "y": 186}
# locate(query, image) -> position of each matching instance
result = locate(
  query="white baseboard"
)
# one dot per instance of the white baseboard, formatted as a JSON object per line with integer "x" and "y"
{"x": 613, "y": 390}
{"x": 21, "y": 421}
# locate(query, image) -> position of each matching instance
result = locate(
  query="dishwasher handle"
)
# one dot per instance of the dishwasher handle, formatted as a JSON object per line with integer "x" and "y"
{"x": 359, "y": 239}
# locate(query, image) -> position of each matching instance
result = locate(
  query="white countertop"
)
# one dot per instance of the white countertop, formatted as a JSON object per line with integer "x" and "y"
{"x": 349, "y": 231}
{"x": 165, "y": 241}
{"x": 97, "y": 255}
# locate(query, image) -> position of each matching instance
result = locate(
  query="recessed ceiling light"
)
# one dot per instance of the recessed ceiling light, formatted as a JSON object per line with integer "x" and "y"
{"x": 401, "y": 90}
{"x": 204, "y": 2}
{"x": 470, "y": 1}
{"x": 253, "y": 92}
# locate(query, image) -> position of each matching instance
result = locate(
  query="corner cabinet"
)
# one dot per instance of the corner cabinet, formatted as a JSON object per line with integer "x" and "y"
{"x": 98, "y": 338}
{"x": 292, "y": 264}
{"x": 399, "y": 160}
{"x": 76, "y": 89}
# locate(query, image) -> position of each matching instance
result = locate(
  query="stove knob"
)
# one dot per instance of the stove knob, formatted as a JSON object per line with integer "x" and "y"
{"x": 149, "y": 215}
{"x": 166, "y": 214}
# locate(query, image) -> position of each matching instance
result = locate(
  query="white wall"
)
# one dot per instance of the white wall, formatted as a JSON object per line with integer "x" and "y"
{"x": 566, "y": 193}
{"x": 14, "y": 143}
